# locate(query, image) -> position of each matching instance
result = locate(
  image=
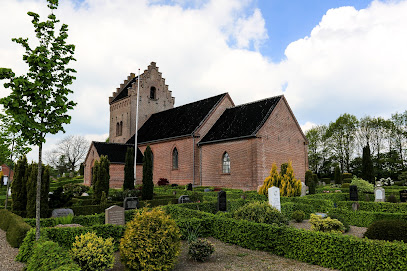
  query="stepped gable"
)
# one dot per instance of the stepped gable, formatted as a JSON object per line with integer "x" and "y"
{"x": 123, "y": 90}
{"x": 177, "y": 122}
{"x": 241, "y": 121}
{"x": 116, "y": 152}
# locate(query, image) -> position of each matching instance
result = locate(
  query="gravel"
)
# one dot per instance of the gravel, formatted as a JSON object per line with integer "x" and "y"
{"x": 8, "y": 254}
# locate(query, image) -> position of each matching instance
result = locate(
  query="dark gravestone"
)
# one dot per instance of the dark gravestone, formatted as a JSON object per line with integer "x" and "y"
{"x": 174, "y": 185}
{"x": 130, "y": 203}
{"x": 353, "y": 193}
{"x": 189, "y": 187}
{"x": 403, "y": 195}
{"x": 221, "y": 201}
{"x": 184, "y": 199}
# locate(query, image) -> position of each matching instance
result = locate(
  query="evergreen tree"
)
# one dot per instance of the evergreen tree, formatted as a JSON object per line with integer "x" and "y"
{"x": 308, "y": 178}
{"x": 101, "y": 178}
{"x": 129, "y": 170}
{"x": 82, "y": 169}
{"x": 45, "y": 192}
{"x": 338, "y": 175}
{"x": 19, "y": 187}
{"x": 148, "y": 185}
{"x": 289, "y": 186}
{"x": 95, "y": 172}
{"x": 313, "y": 184}
{"x": 31, "y": 190}
{"x": 367, "y": 165}
{"x": 273, "y": 180}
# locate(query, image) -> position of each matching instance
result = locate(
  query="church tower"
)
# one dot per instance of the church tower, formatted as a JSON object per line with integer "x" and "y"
{"x": 154, "y": 97}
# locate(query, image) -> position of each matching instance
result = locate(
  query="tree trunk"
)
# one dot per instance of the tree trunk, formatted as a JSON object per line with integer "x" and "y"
{"x": 38, "y": 196}
{"x": 8, "y": 186}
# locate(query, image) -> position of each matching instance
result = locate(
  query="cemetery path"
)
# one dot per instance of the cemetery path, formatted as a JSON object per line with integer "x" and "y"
{"x": 8, "y": 254}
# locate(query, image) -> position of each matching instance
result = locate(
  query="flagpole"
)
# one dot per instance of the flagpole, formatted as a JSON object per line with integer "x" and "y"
{"x": 135, "y": 134}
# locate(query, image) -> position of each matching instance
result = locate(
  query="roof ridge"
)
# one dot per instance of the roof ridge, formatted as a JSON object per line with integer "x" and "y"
{"x": 257, "y": 101}
{"x": 113, "y": 143}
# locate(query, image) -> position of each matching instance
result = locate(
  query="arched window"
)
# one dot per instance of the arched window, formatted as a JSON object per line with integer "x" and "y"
{"x": 117, "y": 129}
{"x": 152, "y": 93}
{"x": 175, "y": 159}
{"x": 121, "y": 128}
{"x": 226, "y": 163}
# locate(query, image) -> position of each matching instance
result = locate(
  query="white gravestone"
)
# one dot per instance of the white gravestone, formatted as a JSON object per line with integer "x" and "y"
{"x": 274, "y": 197}
{"x": 303, "y": 189}
{"x": 379, "y": 194}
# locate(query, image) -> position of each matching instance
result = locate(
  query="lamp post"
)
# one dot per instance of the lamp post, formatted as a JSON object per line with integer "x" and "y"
{"x": 135, "y": 134}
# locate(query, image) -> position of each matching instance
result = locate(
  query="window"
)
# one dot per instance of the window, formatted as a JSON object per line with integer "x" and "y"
{"x": 117, "y": 128}
{"x": 121, "y": 128}
{"x": 226, "y": 163}
{"x": 152, "y": 93}
{"x": 175, "y": 159}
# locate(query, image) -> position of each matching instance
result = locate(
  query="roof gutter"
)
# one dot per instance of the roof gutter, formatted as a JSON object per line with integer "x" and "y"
{"x": 226, "y": 139}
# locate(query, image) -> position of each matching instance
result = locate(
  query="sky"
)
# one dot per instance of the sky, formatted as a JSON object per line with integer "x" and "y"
{"x": 328, "y": 57}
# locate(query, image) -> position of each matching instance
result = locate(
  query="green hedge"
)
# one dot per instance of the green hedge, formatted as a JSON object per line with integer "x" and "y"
{"x": 364, "y": 218}
{"x": 14, "y": 226}
{"x": 375, "y": 206}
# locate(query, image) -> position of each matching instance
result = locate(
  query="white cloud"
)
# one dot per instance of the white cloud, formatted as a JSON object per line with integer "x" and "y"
{"x": 308, "y": 125}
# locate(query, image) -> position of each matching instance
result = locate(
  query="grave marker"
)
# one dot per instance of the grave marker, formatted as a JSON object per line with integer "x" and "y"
{"x": 403, "y": 195}
{"x": 189, "y": 187}
{"x": 130, "y": 203}
{"x": 353, "y": 193}
{"x": 221, "y": 201}
{"x": 379, "y": 194}
{"x": 303, "y": 189}
{"x": 274, "y": 197}
{"x": 115, "y": 215}
{"x": 61, "y": 212}
{"x": 184, "y": 199}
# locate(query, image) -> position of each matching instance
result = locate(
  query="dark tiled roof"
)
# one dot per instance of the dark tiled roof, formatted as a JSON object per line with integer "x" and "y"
{"x": 125, "y": 92}
{"x": 241, "y": 121}
{"x": 116, "y": 152}
{"x": 176, "y": 122}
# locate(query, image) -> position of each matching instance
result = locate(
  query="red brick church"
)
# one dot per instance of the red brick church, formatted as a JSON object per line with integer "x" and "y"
{"x": 210, "y": 142}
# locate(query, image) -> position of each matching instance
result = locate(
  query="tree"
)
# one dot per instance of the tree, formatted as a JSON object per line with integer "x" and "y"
{"x": 82, "y": 169}
{"x": 101, "y": 178}
{"x": 45, "y": 191}
{"x": 289, "y": 186}
{"x": 129, "y": 170}
{"x": 19, "y": 187}
{"x": 272, "y": 180}
{"x": 367, "y": 165}
{"x": 338, "y": 175}
{"x": 72, "y": 150}
{"x": 38, "y": 101}
{"x": 31, "y": 190}
{"x": 148, "y": 185}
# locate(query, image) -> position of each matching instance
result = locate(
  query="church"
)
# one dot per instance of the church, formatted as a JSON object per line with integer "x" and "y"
{"x": 211, "y": 142}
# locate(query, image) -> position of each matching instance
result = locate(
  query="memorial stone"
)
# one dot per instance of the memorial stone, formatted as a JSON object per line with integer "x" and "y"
{"x": 353, "y": 193}
{"x": 221, "y": 201}
{"x": 403, "y": 195}
{"x": 115, "y": 215}
{"x": 207, "y": 190}
{"x": 189, "y": 187}
{"x": 61, "y": 212}
{"x": 130, "y": 203}
{"x": 379, "y": 194}
{"x": 303, "y": 189}
{"x": 274, "y": 197}
{"x": 184, "y": 199}
{"x": 355, "y": 206}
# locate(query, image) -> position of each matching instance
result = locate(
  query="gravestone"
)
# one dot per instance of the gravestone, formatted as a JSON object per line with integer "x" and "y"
{"x": 189, "y": 187}
{"x": 221, "y": 201}
{"x": 274, "y": 197}
{"x": 114, "y": 215}
{"x": 353, "y": 193}
{"x": 323, "y": 215}
{"x": 174, "y": 192}
{"x": 379, "y": 195}
{"x": 130, "y": 203}
{"x": 403, "y": 195}
{"x": 174, "y": 185}
{"x": 184, "y": 199}
{"x": 61, "y": 212}
{"x": 207, "y": 190}
{"x": 355, "y": 206}
{"x": 85, "y": 194}
{"x": 303, "y": 189}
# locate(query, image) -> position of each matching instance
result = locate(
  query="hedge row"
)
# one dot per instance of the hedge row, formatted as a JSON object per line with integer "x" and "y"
{"x": 14, "y": 226}
{"x": 364, "y": 218}
{"x": 375, "y": 206}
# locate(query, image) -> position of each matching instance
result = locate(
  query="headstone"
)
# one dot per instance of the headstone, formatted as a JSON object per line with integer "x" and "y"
{"x": 85, "y": 194}
{"x": 61, "y": 212}
{"x": 5, "y": 180}
{"x": 221, "y": 201}
{"x": 114, "y": 215}
{"x": 323, "y": 215}
{"x": 130, "y": 203}
{"x": 174, "y": 192}
{"x": 353, "y": 193}
{"x": 184, "y": 199}
{"x": 189, "y": 187}
{"x": 303, "y": 189}
{"x": 174, "y": 185}
{"x": 379, "y": 195}
{"x": 9, "y": 191}
{"x": 403, "y": 195}
{"x": 274, "y": 197}
{"x": 207, "y": 190}
{"x": 355, "y": 206}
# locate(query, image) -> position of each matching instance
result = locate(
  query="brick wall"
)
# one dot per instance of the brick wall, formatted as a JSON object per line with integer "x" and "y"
{"x": 91, "y": 157}
{"x": 6, "y": 171}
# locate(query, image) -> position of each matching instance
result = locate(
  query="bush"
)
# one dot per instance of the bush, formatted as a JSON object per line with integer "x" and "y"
{"x": 64, "y": 219}
{"x": 347, "y": 180}
{"x": 48, "y": 255}
{"x": 392, "y": 198}
{"x": 387, "y": 230}
{"x": 341, "y": 219}
{"x": 163, "y": 182}
{"x": 147, "y": 189}
{"x": 345, "y": 184}
{"x": 196, "y": 197}
{"x": 346, "y": 175}
{"x": 93, "y": 253}
{"x": 60, "y": 199}
{"x": 363, "y": 186}
{"x": 14, "y": 226}
{"x": 260, "y": 212}
{"x": 298, "y": 215}
{"x": 200, "y": 250}
{"x": 325, "y": 224}
{"x": 75, "y": 189}
{"x": 151, "y": 241}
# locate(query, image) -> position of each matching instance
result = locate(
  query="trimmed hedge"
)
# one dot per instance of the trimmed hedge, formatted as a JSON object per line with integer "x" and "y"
{"x": 14, "y": 234}
{"x": 387, "y": 207}
{"x": 364, "y": 218}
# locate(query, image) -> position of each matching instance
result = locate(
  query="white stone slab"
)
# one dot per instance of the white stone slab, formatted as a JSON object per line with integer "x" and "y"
{"x": 274, "y": 197}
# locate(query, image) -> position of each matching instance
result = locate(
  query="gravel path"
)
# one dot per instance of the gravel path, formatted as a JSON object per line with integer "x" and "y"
{"x": 8, "y": 254}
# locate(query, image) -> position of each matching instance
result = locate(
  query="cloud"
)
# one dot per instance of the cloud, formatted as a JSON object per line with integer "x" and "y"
{"x": 307, "y": 126}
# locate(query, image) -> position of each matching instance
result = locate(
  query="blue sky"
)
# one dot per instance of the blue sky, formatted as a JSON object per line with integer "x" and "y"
{"x": 327, "y": 57}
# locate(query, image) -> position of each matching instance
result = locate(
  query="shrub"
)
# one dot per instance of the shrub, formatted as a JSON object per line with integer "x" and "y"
{"x": 48, "y": 255}
{"x": 286, "y": 181}
{"x": 325, "y": 224}
{"x": 345, "y": 185}
{"x": 346, "y": 175}
{"x": 298, "y": 215}
{"x": 60, "y": 199}
{"x": 102, "y": 178}
{"x": 64, "y": 219}
{"x": 363, "y": 186}
{"x": 260, "y": 212}
{"x": 387, "y": 230}
{"x": 147, "y": 189}
{"x": 19, "y": 187}
{"x": 93, "y": 253}
{"x": 75, "y": 189}
{"x": 341, "y": 219}
{"x": 163, "y": 182}
{"x": 15, "y": 227}
{"x": 347, "y": 180}
{"x": 196, "y": 197}
{"x": 151, "y": 241}
{"x": 200, "y": 250}
{"x": 392, "y": 198}
{"x": 128, "y": 182}
{"x": 338, "y": 175}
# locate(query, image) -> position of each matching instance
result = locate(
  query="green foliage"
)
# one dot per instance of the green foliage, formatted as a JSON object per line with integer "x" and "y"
{"x": 15, "y": 227}
{"x": 82, "y": 169}
{"x": 75, "y": 189}
{"x": 60, "y": 199}
{"x": 363, "y": 186}
{"x": 31, "y": 189}
{"x": 289, "y": 186}
{"x": 298, "y": 215}
{"x": 311, "y": 181}
{"x": 64, "y": 219}
{"x": 129, "y": 170}
{"x": 392, "y": 198}
{"x": 148, "y": 185}
{"x": 196, "y": 197}
{"x": 367, "y": 165}
{"x": 260, "y": 212}
{"x": 338, "y": 175}
{"x": 151, "y": 242}
{"x": 387, "y": 230}
{"x": 26, "y": 248}
{"x": 101, "y": 178}
{"x": 200, "y": 250}
{"x": 103, "y": 199}
{"x": 365, "y": 218}
{"x": 308, "y": 178}
{"x": 47, "y": 256}
{"x": 93, "y": 253}
{"x": 19, "y": 187}
{"x": 326, "y": 224}
{"x": 341, "y": 219}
